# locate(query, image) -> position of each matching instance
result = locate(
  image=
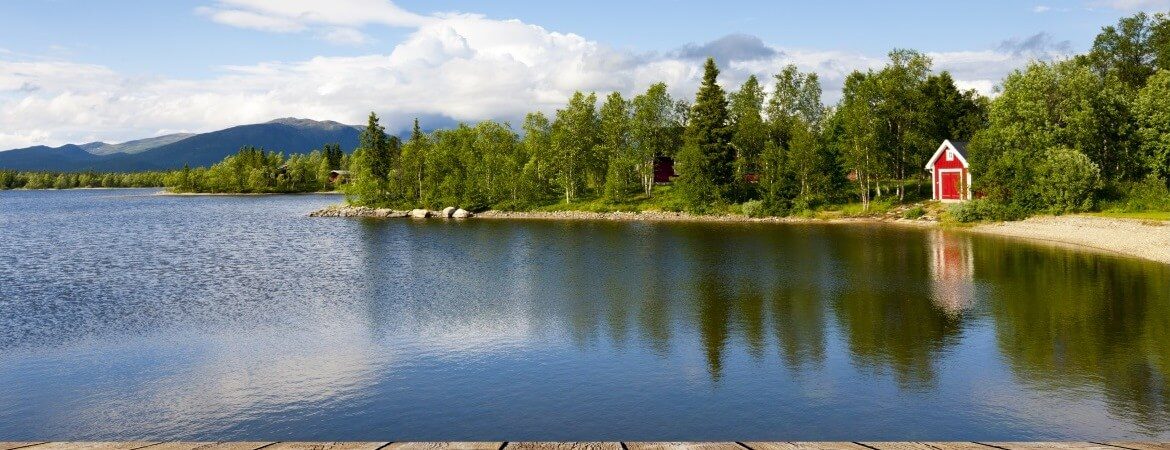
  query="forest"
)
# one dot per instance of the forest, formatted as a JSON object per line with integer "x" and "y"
{"x": 1087, "y": 133}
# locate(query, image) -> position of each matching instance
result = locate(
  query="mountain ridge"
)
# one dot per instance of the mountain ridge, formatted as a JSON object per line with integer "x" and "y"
{"x": 289, "y": 135}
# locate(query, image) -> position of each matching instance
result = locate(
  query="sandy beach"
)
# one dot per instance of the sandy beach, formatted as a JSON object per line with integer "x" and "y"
{"x": 1139, "y": 238}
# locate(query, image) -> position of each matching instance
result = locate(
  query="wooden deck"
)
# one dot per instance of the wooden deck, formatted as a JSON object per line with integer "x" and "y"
{"x": 135, "y": 445}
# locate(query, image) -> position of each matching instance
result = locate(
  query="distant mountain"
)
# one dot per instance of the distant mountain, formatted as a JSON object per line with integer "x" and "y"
{"x": 136, "y": 146}
{"x": 47, "y": 158}
{"x": 169, "y": 152}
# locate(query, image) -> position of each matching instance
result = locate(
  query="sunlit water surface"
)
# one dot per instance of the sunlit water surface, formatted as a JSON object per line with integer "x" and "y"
{"x": 126, "y": 315}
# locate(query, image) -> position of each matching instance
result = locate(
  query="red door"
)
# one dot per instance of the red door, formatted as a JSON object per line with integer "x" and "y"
{"x": 951, "y": 185}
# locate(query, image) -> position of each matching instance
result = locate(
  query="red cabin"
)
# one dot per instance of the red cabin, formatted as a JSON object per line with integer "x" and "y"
{"x": 664, "y": 170}
{"x": 950, "y": 175}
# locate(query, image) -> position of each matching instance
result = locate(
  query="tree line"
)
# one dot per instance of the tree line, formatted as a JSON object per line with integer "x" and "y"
{"x": 10, "y": 179}
{"x": 771, "y": 151}
{"x": 255, "y": 170}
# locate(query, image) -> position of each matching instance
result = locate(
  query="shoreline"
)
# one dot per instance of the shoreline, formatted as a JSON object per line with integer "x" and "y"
{"x": 622, "y": 216}
{"x": 1144, "y": 239}
{"x": 167, "y": 193}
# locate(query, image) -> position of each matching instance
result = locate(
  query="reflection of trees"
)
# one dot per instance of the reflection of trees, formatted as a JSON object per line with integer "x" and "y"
{"x": 1062, "y": 319}
{"x": 1080, "y": 319}
{"x": 798, "y": 315}
{"x": 885, "y": 308}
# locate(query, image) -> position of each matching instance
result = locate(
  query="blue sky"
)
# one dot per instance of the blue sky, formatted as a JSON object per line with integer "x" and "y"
{"x": 73, "y": 70}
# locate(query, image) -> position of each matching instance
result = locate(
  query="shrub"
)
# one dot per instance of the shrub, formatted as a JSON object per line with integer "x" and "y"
{"x": 753, "y": 208}
{"x": 914, "y": 213}
{"x": 1150, "y": 194}
{"x": 1067, "y": 180}
{"x": 984, "y": 210}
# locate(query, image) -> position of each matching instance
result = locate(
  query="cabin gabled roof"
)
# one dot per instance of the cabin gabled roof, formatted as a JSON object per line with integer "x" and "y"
{"x": 959, "y": 147}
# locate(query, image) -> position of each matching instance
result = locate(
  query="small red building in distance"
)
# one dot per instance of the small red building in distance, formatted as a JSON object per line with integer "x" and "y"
{"x": 664, "y": 170}
{"x": 950, "y": 175}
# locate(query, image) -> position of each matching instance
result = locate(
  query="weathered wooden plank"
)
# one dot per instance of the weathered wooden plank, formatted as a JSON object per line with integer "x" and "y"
{"x": 683, "y": 446}
{"x": 958, "y": 446}
{"x": 445, "y": 446}
{"x": 902, "y": 446}
{"x": 208, "y": 446}
{"x": 804, "y": 446}
{"x": 326, "y": 446}
{"x": 131, "y": 445}
{"x": 1141, "y": 445}
{"x": 1049, "y": 445}
{"x": 564, "y": 446}
{"x": 15, "y": 445}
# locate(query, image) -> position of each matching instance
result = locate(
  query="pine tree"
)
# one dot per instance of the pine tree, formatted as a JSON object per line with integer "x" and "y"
{"x": 377, "y": 146}
{"x": 706, "y": 163}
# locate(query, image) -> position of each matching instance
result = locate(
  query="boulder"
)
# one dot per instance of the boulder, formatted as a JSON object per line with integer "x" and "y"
{"x": 448, "y": 212}
{"x": 461, "y": 213}
{"x": 420, "y": 213}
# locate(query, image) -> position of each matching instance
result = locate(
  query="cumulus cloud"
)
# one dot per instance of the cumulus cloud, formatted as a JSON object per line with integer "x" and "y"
{"x": 451, "y": 67}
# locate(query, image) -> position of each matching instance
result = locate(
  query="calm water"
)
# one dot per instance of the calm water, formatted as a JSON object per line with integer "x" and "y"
{"x": 125, "y": 315}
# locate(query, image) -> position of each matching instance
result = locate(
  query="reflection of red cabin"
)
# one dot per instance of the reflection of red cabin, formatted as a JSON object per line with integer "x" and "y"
{"x": 950, "y": 175}
{"x": 664, "y": 169}
{"x": 952, "y": 268}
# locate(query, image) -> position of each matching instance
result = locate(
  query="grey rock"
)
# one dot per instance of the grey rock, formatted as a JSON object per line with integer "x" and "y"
{"x": 461, "y": 213}
{"x": 447, "y": 212}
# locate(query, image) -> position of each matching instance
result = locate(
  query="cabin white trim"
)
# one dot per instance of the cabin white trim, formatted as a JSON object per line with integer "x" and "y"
{"x": 946, "y": 146}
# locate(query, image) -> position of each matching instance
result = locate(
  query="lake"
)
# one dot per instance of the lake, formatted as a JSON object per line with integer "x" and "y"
{"x": 126, "y": 315}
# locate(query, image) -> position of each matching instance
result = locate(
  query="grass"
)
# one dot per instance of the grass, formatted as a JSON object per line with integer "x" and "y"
{"x": 1143, "y": 215}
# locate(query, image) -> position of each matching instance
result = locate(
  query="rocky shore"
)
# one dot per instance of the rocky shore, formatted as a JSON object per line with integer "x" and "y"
{"x": 384, "y": 213}
{"x": 644, "y": 216}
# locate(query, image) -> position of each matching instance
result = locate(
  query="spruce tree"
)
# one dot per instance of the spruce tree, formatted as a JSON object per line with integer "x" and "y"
{"x": 706, "y": 163}
{"x": 377, "y": 147}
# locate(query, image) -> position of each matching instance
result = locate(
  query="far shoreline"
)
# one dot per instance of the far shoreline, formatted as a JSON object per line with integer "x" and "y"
{"x": 1144, "y": 239}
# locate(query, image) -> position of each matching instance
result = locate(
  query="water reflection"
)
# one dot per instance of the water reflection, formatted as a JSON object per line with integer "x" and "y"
{"x": 952, "y": 268}
{"x": 352, "y": 325}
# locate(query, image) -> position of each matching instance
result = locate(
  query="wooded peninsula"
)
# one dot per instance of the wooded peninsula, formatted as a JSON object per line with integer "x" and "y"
{"x": 1088, "y": 133}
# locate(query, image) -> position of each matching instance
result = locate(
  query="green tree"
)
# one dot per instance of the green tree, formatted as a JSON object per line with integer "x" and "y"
{"x": 652, "y": 131}
{"x": 857, "y": 140}
{"x": 1133, "y": 50}
{"x": 1066, "y": 180}
{"x": 1152, "y": 108}
{"x": 706, "y": 160}
{"x": 749, "y": 132}
{"x": 538, "y": 170}
{"x": 574, "y": 136}
{"x": 615, "y": 146}
{"x": 414, "y": 163}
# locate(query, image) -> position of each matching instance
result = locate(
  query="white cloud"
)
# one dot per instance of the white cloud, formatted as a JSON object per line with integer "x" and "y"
{"x": 336, "y": 21}
{"x": 455, "y": 66}
{"x": 346, "y": 36}
{"x": 251, "y": 20}
{"x": 1132, "y": 5}
{"x": 1041, "y": 9}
